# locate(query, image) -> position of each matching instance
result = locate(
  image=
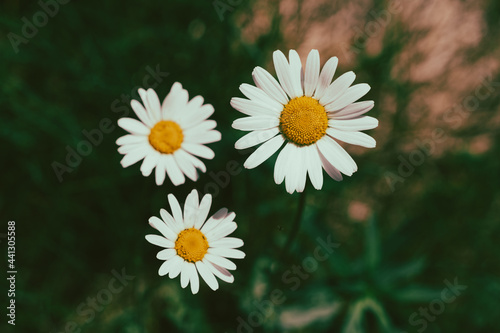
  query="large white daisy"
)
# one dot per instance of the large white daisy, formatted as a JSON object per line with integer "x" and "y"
{"x": 306, "y": 112}
{"x": 194, "y": 245}
{"x": 168, "y": 135}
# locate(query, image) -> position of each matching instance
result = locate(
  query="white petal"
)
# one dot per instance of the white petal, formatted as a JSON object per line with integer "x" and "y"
{"x": 351, "y": 111}
{"x": 357, "y": 124}
{"x": 282, "y": 164}
{"x": 176, "y": 209}
{"x": 196, "y": 103}
{"x": 160, "y": 171}
{"x": 295, "y": 178}
{"x": 168, "y": 102}
{"x": 336, "y": 155}
{"x": 302, "y": 169}
{"x": 171, "y": 222}
{"x": 219, "y": 272}
{"x": 185, "y": 165}
{"x": 166, "y": 254}
{"x": 216, "y": 219}
{"x": 345, "y": 155}
{"x": 154, "y": 104}
{"x": 296, "y": 73}
{"x": 227, "y": 253}
{"x": 178, "y": 107}
{"x": 220, "y": 261}
{"x": 338, "y": 88}
{"x": 198, "y": 150}
{"x": 194, "y": 279}
{"x": 185, "y": 272}
{"x": 256, "y": 137}
{"x": 313, "y": 165}
{"x": 258, "y": 95}
{"x": 194, "y": 116}
{"x": 354, "y": 138}
{"x": 159, "y": 241}
{"x": 141, "y": 112}
{"x": 150, "y": 162}
{"x": 174, "y": 172}
{"x": 291, "y": 173}
{"x": 125, "y": 149}
{"x": 351, "y": 95}
{"x": 204, "y": 126}
{"x": 268, "y": 83}
{"x": 133, "y": 126}
{"x": 227, "y": 242}
{"x": 176, "y": 267}
{"x": 204, "y": 137}
{"x": 144, "y": 97}
{"x": 220, "y": 231}
{"x": 163, "y": 228}
{"x": 203, "y": 210}
{"x": 207, "y": 275}
{"x": 264, "y": 152}
{"x": 131, "y": 139}
{"x": 325, "y": 78}
{"x": 167, "y": 266}
{"x": 191, "y": 207}
{"x": 220, "y": 226}
{"x": 330, "y": 169}
{"x": 283, "y": 72}
{"x": 312, "y": 73}
{"x": 193, "y": 160}
{"x": 252, "y": 108}
{"x": 133, "y": 157}
{"x": 256, "y": 123}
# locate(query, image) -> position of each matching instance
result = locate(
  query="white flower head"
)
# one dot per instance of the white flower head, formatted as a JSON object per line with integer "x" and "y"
{"x": 168, "y": 135}
{"x": 194, "y": 245}
{"x": 306, "y": 112}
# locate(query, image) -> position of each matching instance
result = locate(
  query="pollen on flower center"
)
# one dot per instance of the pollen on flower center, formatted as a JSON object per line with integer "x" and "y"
{"x": 166, "y": 136}
{"x": 303, "y": 121}
{"x": 191, "y": 245}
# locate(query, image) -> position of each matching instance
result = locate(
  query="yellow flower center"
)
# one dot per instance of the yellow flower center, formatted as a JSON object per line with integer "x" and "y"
{"x": 191, "y": 245}
{"x": 166, "y": 136}
{"x": 303, "y": 121}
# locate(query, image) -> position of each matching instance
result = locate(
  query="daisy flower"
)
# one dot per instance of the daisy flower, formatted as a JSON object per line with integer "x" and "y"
{"x": 194, "y": 245}
{"x": 306, "y": 112}
{"x": 168, "y": 135}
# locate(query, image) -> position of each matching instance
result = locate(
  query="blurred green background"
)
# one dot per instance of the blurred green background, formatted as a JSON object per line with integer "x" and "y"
{"x": 420, "y": 215}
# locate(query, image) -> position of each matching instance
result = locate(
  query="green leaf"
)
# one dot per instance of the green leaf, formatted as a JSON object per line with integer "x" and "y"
{"x": 405, "y": 271}
{"x": 355, "y": 316}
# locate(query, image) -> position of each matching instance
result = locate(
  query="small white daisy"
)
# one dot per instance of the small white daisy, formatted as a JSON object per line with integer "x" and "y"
{"x": 168, "y": 135}
{"x": 195, "y": 245}
{"x": 306, "y": 111}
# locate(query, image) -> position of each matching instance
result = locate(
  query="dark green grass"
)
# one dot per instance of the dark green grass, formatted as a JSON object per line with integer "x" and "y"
{"x": 441, "y": 223}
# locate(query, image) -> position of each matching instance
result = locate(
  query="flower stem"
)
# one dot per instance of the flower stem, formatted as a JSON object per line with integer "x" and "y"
{"x": 296, "y": 224}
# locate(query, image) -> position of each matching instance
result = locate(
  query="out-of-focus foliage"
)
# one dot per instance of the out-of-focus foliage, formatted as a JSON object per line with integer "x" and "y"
{"x": 395, "y": 251}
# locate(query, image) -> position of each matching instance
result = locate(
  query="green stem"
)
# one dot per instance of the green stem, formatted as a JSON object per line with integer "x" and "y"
{"x": 296, "y": 224}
